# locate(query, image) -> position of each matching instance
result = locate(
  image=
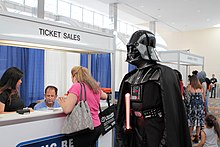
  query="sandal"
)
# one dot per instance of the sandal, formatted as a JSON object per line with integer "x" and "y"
{"x": 196, "y": 139}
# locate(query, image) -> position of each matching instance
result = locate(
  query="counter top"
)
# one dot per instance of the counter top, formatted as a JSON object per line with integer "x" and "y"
{"x": 15, "y": 118}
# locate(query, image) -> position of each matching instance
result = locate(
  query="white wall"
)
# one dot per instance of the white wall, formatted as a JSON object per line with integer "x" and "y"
{"x": 58, "y": 67}
{"x": 203, "y": 42}
{"x": 121, "y": 68}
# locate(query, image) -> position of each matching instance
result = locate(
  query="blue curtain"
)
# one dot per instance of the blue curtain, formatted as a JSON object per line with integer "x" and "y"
{"x": 131, "y": 67}
{"x": 31, "y": 62}
{"x": 100, "y": 68}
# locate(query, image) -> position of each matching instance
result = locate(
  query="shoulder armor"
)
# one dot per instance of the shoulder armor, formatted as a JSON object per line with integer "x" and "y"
{"x": 156, "y": 75}
{"x": 144, "y": 75}
{"x": 152, "y": 75}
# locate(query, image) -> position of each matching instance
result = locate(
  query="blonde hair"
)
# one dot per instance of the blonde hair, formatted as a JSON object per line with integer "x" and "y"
{"x": 82, "y": 75}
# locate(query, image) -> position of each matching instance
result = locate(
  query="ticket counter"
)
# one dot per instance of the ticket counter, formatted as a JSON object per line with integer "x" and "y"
{"x": 42, "y": 129}
{"x": 38, "y": 129}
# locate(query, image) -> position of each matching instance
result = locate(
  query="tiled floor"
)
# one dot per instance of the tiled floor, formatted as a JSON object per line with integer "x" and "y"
{"x": 214, "y": 108}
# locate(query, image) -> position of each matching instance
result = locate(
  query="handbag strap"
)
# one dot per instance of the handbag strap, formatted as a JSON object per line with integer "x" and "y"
{"x": 108, "y": 100}
{"x": 82, "y": 84}
{"x": 100, "y": 110}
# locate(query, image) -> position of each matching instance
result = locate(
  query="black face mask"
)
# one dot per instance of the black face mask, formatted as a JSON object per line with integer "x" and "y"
{"x": 134, "y": 56}
{"x": 132, "y": 53}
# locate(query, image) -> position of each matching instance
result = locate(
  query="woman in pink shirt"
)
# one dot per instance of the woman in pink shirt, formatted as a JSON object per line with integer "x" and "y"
{"x": 93, "y": 95}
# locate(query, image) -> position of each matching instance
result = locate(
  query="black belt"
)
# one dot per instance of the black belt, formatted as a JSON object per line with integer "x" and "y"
{"x": 150, "y": 113}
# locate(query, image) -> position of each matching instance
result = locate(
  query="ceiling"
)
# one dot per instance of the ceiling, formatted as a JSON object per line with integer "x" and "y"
{"x": 176, "y": 15}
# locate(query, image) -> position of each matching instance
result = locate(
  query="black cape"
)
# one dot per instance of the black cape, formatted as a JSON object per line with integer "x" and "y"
{"x": 174, "y": 112}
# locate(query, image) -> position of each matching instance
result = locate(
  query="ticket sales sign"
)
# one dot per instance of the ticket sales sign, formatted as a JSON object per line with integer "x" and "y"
{"x": 51, "y": 34}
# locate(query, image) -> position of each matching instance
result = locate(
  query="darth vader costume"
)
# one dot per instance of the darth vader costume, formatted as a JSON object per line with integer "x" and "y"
{"x": 157, "y": 114}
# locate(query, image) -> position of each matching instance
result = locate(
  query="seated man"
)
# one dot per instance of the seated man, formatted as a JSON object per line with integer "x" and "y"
{"x": 50, "y": 99}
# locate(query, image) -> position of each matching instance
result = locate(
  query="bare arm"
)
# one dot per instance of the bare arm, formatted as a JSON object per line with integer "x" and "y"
{"x": 103, "y": 96}
{"x": 2, "y": 109}
{"x": 203, "y": 95}
{"x": 68, "y": 103}
{"x": 203, "y": 137}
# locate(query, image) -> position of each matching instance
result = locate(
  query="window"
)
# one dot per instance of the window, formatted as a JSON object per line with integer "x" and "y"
{"x": 50, "y": 6}
{"x": 18, "y": 1}
{"x": 130, "y": 29}
{"x": 64, "y": 8}
{"x": 31, "y": 3}
{"x": 98, "y": 19}
{"x": 123, "y": 27}
{"x": 76, "y": 12}
{"x": 106, "y": 22}
{"x": 87, "y": 16}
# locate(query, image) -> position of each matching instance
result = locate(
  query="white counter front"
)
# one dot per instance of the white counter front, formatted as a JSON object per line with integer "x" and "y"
{"x": 38, "y": 129}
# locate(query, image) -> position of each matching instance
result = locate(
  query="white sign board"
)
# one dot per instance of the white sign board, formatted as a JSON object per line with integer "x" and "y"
{"x": 17, "y": 30}
{"x": 180, "y": 57}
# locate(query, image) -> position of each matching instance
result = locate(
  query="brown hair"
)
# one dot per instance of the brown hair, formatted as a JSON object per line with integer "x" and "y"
{"x": 211, "y": 121}
{"x": 82, "y": 75}
{"x": 194, "y": 82}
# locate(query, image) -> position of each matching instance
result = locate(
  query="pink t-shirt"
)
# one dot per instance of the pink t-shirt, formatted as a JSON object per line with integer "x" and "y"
{"x": 91, "y": 98}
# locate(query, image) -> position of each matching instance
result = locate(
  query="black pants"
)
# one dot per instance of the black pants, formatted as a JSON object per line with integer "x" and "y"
{"x": 86, "y": 138}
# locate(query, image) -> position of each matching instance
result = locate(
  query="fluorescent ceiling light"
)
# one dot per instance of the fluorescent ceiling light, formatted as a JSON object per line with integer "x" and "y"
{"x": 39, "y": 46}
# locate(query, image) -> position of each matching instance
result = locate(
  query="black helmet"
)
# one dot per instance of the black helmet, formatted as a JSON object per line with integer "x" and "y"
{"x": 141, "y": 47}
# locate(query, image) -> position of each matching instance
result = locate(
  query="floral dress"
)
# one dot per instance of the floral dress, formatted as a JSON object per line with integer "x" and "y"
{"x": 196, "y": 112}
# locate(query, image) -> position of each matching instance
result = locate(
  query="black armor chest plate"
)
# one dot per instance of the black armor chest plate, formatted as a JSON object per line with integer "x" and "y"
{"x": 138, "y": 79}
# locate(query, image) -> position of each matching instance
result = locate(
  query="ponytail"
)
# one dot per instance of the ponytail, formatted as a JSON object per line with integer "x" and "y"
{"x": 216, "y": 127}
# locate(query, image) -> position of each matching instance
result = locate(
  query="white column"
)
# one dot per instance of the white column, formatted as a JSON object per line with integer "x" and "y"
{"x": 152, "y": 26}
{"x": 113, "y": 14}
{"x": 40, "y": 9}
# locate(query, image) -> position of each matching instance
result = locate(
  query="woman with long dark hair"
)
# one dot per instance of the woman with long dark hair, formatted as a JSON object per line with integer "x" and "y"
{"x": 196, "y": 112}
{"x": 10, "y": 82}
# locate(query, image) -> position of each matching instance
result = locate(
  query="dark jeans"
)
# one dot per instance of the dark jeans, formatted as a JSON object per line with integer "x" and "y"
{"x": 213, "y": 91}
{"x": 87, "y": 138}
